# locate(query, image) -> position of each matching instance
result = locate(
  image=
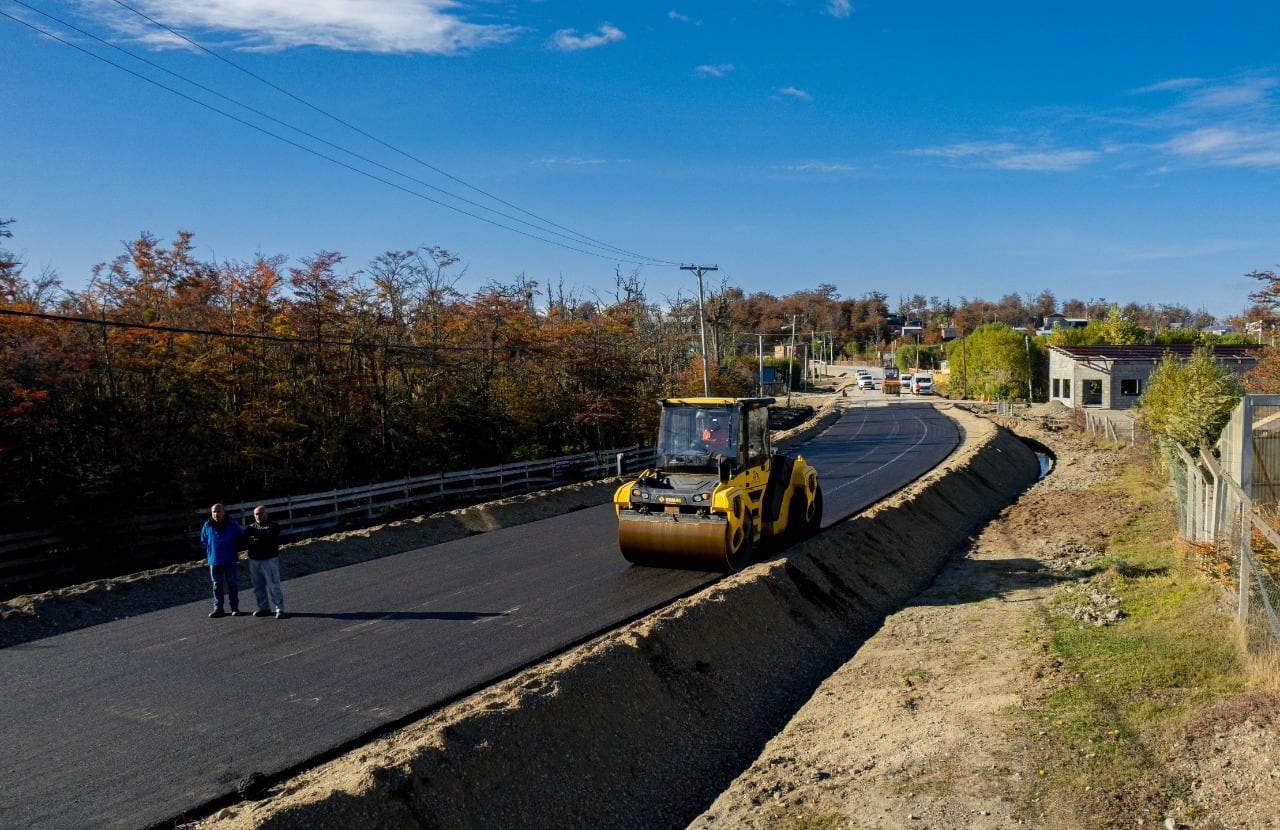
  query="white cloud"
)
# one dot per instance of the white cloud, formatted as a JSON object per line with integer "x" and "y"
{"x": 1053, "y": 161}
{"x": 568, "y": 40}
{"x": 1231, "y": 122}
{"x": 1004, "y": 155}
{"x": 383, "y": 26}
{"x": 1228, "y": 147}
{"x": 795, "y": 93}
{"x": 1240, "y": 93}
{"x": 1171, "y": 85}
{"x": 818, "y": 167}
{"x": 571, "y": 161}
{"x": 1235, "y": 93}
{"x": 839, "y": 8}
{"x": 718, "y": 70}
{"x": 683, "y": 18}
{"x": 1205, "y": 122}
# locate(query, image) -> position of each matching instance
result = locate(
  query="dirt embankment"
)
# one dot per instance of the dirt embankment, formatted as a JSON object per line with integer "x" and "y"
{"x": 917, "y": 730}
{"x": 646, "y": 725}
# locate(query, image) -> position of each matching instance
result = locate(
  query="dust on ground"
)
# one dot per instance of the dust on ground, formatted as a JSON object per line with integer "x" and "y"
{"x": 914, "y": 731}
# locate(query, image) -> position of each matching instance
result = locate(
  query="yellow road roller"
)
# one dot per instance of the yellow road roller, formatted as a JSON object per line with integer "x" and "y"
{"x": 716, "y": 490}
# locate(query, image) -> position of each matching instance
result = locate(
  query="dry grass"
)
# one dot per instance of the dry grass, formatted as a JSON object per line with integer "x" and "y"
{"x": 1130, "y": 690}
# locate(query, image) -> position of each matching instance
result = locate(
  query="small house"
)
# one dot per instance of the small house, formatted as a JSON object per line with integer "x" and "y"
{"x": 1114, "y": 377}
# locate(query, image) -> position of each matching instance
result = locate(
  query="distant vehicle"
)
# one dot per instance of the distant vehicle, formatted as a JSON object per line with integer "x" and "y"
{"x": 906, "y": 381}
{"x": 862, "y": 372}
{"x": 922, "y": 384}
{"x": 866, "y": 382}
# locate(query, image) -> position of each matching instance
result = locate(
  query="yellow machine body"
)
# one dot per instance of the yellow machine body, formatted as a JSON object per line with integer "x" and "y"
{"x": 717, "y": 489}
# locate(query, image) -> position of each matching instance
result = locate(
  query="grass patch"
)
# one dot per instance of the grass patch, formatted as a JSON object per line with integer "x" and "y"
{"x": 1125, "y": 691}
{"x": 821, "y": 821}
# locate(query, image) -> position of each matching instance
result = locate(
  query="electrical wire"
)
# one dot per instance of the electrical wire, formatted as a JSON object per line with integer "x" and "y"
{"x": 610, "y": 252}
{"x": 305, "y": 148}
{"x": 372, "y": 137}
{"x": 305, "y": 341}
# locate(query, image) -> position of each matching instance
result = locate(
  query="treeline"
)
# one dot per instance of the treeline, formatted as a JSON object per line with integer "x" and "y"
{"x": 170, "y": 382}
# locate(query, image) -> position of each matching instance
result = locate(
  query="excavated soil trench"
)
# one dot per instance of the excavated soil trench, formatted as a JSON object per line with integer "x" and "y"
{"x": 645, "y": 726}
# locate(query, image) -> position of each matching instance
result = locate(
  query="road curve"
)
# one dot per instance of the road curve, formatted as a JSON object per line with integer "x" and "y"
{"x": 137, "y": 722}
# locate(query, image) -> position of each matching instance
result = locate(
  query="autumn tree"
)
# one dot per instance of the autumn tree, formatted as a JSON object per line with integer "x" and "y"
{"x": 996, "y": 360}
{"x": 1188, "y": 402}
{"x": 38, "y": 384}
{"x": 1267, "y": 296}
{"x": 1118, "y": 328}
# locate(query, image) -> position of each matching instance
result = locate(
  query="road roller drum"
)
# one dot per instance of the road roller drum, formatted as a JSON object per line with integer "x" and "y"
{"x": 717, "y": 490}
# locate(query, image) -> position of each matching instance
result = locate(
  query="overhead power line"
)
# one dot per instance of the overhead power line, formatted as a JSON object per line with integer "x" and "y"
{"x": 302, "y": 341}
{"x": 303, "y": 147}
{"x": 576, "y": 238}
{"x": 577, "y": 242}
{"x": 374, "y": 138}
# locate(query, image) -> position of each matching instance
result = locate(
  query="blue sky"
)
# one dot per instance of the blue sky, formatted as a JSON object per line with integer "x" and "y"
{"x": 1119, "y": 150}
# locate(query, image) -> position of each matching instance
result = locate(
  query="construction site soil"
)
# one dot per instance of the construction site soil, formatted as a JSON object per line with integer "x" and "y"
{"x": 866, "y": 675}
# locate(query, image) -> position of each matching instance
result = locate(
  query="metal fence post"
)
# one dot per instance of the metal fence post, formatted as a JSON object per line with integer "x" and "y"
{"x": 1245, "y": 577}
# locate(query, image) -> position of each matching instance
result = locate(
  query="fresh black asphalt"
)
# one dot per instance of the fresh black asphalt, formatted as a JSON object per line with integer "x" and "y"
{"x": 135, "y": 723}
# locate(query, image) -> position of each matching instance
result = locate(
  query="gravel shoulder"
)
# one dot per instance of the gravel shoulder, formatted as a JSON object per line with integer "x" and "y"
{"x": 919, "y": 729}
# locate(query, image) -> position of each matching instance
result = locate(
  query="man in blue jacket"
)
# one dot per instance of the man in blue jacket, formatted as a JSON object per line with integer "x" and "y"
{"x": 221, "y": 537}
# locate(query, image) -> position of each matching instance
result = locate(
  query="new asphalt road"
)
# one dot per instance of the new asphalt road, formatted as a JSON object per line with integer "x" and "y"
{"x": 136, "y": 723}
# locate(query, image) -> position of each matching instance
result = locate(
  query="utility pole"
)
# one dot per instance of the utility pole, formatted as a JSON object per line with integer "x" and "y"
{"x": 793, "y": 357}
{"x": 809, "y": 362}
{"x": 1027, "y": 339}
{"x": 702, "y": 325}
{"x": 760, "y": 376}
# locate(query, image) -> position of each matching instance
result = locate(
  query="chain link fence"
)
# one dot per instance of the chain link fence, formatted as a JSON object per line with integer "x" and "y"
{"x": 1228, "y": 508}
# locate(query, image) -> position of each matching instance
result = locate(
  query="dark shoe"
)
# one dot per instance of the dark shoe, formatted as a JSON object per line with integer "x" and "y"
{"x": 262, "y": 612}
{"x": 279, "y": 615}
{"x": 217, "y": 612}
{"x": 235, "y": 613}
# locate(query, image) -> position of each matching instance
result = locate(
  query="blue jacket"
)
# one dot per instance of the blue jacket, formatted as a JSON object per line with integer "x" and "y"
{"x": 221, "y": 544}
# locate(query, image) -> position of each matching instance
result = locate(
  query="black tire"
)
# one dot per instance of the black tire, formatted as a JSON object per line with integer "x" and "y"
{"x": 794, "y": 531}
{"x": 813, "y": 519}
{"x": 741, "y": 557}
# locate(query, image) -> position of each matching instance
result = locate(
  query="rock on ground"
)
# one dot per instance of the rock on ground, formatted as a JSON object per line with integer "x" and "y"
{"x": 914, "y": 731}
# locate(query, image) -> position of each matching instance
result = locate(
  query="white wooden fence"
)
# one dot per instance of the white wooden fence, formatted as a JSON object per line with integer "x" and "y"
{"x": 39, "y": 557}
{"x": 1119, "y": 426}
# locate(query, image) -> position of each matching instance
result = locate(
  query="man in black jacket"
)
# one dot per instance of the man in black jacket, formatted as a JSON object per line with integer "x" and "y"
{"x": 264, "y": 562}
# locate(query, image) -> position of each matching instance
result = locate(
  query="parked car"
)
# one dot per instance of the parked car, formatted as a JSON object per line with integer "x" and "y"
{"x": 922, "y": 384}
{"x": 905, "y": 377}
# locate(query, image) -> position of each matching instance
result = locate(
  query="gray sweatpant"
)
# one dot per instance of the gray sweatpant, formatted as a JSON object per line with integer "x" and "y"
{"x": 265, "y": 575}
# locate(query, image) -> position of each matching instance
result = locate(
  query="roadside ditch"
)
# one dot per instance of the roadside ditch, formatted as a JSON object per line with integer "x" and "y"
{"x": 645, "y": 726}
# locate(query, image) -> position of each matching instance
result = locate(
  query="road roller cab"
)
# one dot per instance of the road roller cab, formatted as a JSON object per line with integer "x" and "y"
{"x": 716, "y": 490}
